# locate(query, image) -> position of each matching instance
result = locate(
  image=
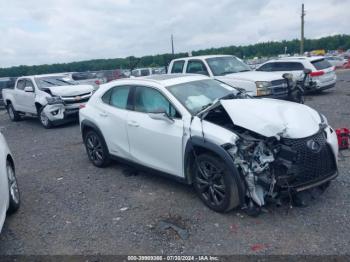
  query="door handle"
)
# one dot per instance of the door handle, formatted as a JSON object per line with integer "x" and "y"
{"x": 103, "y": 114}
{"x": 133, "y": 123}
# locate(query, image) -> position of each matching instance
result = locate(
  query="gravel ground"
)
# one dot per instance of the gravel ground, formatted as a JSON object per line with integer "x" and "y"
{"x": 71, "y": 207}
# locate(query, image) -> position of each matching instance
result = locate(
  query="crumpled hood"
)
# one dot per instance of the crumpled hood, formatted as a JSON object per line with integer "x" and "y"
{"x": 70, "y": 90}
{"x": 255, "y": 76}
{"x": 270, "y": 117}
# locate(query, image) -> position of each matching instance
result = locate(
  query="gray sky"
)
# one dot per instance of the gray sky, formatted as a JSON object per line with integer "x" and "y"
{"x": 56, "y": 31}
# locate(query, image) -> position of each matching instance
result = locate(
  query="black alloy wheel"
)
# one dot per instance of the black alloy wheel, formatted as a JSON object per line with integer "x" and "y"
{"x": 96, "y": 149}
{"x": 214, "y": 184}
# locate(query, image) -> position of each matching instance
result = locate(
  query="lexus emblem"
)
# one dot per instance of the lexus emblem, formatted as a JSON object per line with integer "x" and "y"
{"x": 313, "y": 145}
{"x": 77, "y": 98}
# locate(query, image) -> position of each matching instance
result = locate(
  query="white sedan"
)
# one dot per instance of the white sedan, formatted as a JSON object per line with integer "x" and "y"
{"x": 9, "y": 194}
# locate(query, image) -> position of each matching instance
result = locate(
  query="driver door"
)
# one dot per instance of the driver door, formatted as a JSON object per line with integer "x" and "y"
{"x": 155, "y": 143}
{"x": 25, "y": 100}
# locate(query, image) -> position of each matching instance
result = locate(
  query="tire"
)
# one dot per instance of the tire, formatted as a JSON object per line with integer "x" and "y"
{"x": 13, "y": 114}
{"x": 14, "y": 195}
{"x": 44, "y": 120}
{"x": 96, "y": 149}
{"x": 215, "y": 186}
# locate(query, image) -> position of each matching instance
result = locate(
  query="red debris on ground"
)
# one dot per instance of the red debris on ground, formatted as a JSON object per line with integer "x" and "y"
{"x": 258, "y": 247}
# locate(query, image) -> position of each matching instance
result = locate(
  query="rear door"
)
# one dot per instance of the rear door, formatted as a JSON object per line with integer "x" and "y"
{"x": 155, "y": 143}
{"x": 112, "y": 119}
{"x": 18, "y": 97}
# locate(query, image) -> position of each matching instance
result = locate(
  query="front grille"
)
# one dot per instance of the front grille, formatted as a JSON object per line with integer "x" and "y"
{"x": 311, "y": 165}
{"x": 70, "y": 102}
{"x": 279, "y": 86}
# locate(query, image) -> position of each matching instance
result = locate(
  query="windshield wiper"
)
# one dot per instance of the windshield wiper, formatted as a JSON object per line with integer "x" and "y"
{"x": 245, "y": 70}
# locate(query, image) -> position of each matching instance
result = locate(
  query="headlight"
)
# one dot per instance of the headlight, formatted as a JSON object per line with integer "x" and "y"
{"x": 263, "y": 88}
{"x": 54, "y": 100}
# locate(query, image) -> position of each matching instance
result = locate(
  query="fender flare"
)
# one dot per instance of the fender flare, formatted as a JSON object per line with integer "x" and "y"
{"x": 196, "y": 141}
{"x": 88, "y": 124}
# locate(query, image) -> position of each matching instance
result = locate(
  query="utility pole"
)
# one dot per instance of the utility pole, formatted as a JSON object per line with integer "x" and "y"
{"x": 302, "y": 30}
{"x": 172, "y": 44}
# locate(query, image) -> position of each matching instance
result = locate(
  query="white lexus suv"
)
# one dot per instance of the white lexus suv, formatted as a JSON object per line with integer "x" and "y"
{"x": 235, "y": 150}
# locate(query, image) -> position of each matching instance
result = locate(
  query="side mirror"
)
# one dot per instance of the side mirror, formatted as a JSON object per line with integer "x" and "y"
{"x": 307, "y": 71}
{"x": 161, "y": 115}
{"x": 29, "y": 89}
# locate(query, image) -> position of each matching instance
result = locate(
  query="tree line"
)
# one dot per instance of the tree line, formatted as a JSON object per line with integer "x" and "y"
{"x": 266, "y": 49}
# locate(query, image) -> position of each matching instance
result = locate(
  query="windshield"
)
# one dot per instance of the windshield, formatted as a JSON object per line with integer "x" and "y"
{"x": 226, "y": 65}
{"x": 43, "y": 82}
{"x": 197, "y": 95}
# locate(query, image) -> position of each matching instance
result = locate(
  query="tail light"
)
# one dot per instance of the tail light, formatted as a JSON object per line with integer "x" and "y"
{"x": 317, "y": 73}
{"x": 97, "y": 82}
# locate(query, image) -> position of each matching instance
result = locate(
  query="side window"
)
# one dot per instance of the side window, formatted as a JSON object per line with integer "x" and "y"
{"x": 29, "y": 83}
{"x": 288, "y": 66}
{"x": 196, "y": 67}
{"x": 21, "y": 84}
{"x": 266, "y": 68}
{"x": 149, "y": 100}
{"x": 117, "y": 96}
{"x": 145, "y": 72}
{"x": 178, "y": 67}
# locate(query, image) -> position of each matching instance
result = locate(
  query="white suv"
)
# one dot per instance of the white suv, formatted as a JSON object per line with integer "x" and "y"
{"x": 322, "y": 72}
{"x": 234, "y": 149}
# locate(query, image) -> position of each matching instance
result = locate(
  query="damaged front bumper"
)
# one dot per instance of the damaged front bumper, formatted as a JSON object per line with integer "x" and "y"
{"x": 61, "y": 112}
{"x": 271, "y": 167}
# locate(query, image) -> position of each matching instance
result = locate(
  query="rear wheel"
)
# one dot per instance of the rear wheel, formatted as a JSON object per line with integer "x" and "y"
{"x": 13, "y": 114}
{"x": 14, "y": 202}
{"x": 96, "y": 149}
{"x": 214, "y": 183}
{"x": 44, "y": 120}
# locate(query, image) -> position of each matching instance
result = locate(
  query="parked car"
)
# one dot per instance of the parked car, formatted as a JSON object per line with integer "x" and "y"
{"x": 139, "y": 72}
{"x": 9, "y": 193}
{"x": 336, "y": 61}
{"x": 322, "y": 72}
{"x": 6, "y": 82}
{"x": 233, "y": 71}
{"x": 53, "y": 98}
{"x": 88, "y": 78}
{"x": 235, "y": 150}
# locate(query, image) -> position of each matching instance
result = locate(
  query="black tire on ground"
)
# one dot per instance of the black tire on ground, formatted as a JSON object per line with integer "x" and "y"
{"x": 14, "y": 195}
{"x": 13, "y": 114}
{"x": 44, "y": 120}
{"x": 96, "y": 149}
{"x": 214, "y": 184}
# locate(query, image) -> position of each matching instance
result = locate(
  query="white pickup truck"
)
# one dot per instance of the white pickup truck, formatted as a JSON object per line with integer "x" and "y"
{"x": 53, "y": 98}
{"x": 235, "y": 72}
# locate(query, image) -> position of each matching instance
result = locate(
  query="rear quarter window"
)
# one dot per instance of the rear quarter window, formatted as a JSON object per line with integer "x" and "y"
{"x": 321, "y": 64}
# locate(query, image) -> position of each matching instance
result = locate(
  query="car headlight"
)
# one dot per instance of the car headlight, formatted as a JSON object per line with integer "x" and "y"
{"x": 263, "y": 88}
{"x": 54, "y": 100}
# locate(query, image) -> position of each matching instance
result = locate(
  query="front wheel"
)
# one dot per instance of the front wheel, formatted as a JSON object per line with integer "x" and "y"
{"x": 96, "y": 149}
{"x": 44, "y": 120}
{"x": 15, "y": 199}
{"x": 214, "y": 183}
